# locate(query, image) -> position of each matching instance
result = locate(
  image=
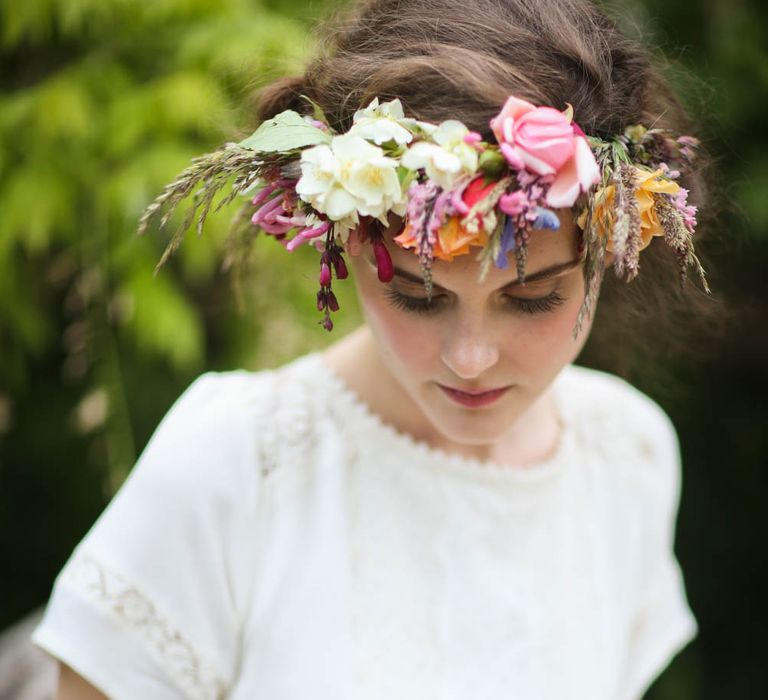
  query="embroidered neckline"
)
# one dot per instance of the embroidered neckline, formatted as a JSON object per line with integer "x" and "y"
{"x": 349, "y": 404}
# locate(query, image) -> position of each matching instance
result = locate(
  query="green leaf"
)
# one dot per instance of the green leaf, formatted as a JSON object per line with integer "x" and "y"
{"x": 287, "y": 131}
{"x": 317, "y": 110}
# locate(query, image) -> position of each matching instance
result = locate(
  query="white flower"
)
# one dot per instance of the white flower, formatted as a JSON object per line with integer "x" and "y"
{"x": 446, "y": 160}
{"x": 386, "y": 122}
{"x": 450, "y": 135}
{"x": 350, "y": 177}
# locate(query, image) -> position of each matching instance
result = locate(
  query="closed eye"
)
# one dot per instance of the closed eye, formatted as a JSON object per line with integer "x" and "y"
{"x": 423, "y": 305}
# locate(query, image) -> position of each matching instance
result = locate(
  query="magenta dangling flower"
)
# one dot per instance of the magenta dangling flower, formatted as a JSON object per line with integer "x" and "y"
{"x": 277, "y": 208}
{"x": 325, "y": 274}
{"x": 337, "y": 260}
{"x": 384, "y": 267}
{"x": 331, "y": 261}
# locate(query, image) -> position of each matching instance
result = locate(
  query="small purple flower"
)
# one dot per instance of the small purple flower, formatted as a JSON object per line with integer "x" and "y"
{"x": 668, "y": 172}
{"x": 317, "y": 123}
{"x": 442, "y": 209}
{"x": 419, "y": 195}
{"x": 507, "y": 243}
{"x": 688, "y": 211}
{"x": 546, "y": 218}
{"x": 525, "y": 209}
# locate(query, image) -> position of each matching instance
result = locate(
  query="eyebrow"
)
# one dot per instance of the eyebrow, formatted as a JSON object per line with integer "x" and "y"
{"x": 544, "y": 273}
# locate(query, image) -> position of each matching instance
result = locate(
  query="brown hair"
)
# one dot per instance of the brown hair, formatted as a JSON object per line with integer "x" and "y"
{"x": 460, "y": 59}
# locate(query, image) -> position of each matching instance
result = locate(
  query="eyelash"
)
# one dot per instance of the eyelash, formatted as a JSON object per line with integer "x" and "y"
{"x": 422, "y": 306}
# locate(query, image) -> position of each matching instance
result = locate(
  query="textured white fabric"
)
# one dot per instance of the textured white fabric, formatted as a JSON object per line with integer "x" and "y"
{"x": 276, "y": 540}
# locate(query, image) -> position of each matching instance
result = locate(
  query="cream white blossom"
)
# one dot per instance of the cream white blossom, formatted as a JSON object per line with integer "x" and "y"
{"x": 350, "y": 177}
{"x": 385, "y": 122}
{"x": 446, "y": 157}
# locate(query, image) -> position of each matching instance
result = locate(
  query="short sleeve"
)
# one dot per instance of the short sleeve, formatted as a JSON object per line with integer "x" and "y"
{"x": 150, "y": 602}
{"x": 663, "y": 622}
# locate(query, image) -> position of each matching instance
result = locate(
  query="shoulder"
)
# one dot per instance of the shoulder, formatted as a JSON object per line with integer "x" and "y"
{"x": 212, "y": 423}
{"x": 222, "y": 395}
{"x": 266, "y": 416}
{"x": 607, "y": 394}
{"x": 224, "y": 404}
{"x": 224, "y": 431}
{"x": 624, "y": 424}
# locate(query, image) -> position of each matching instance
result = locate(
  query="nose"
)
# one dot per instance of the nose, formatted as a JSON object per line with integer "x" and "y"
{"x": 469, "y": 350}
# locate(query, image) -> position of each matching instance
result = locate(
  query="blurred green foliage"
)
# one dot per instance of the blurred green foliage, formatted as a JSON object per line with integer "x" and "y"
{"x": 103, "y": 101}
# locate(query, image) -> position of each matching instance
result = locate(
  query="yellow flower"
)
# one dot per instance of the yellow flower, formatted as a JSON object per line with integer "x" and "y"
{"x": 602, "y": 213}
{"x": 650, "y": 183}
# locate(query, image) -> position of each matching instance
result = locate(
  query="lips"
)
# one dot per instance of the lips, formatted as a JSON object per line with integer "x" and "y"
{"x": 474, "y": 399}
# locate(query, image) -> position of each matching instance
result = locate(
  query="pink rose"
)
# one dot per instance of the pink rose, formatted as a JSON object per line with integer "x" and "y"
{"x": 575, "y": 177}
{"x": 544, "y": 141}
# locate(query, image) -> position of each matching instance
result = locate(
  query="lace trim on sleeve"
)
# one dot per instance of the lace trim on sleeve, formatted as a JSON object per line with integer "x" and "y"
{"x": 125, "y": 602}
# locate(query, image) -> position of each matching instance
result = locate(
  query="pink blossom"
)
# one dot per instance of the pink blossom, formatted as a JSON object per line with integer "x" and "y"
{"x": 307, "y": 234}
{"x": 514, "y": 203}
{"x": 576, "y": 176}
{"x": 544, "y": 141}
{"x": 541, "y": 137}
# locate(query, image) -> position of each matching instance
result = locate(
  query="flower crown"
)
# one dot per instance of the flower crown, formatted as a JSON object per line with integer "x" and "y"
{"x": 453, "y": 190}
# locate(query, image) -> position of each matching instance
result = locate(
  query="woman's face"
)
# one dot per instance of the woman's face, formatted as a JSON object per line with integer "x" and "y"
{"x": 478, "y": 357}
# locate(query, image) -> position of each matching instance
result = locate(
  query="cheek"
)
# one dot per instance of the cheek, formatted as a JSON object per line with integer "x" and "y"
{"x": 545, "y": 344}
{"x": 406, "y": 341}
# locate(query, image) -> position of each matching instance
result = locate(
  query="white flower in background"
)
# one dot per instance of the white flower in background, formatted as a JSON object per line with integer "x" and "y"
{"x": 446, "y": 160}
{"x": 350, "y": 177}
{"x": 386, "y": 122}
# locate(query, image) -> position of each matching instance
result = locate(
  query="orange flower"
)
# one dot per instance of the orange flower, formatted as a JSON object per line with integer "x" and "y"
{"x": 452, "y": 239}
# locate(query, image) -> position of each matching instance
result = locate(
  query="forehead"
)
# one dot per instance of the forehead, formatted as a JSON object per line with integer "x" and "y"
{"x": 545, "y": 248}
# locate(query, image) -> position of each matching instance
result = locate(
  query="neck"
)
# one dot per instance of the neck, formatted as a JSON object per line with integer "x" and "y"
{"x": 355, "y": 359}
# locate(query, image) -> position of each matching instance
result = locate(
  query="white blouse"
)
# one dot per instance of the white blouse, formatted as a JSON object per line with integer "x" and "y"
{"x": 277, "y": 540}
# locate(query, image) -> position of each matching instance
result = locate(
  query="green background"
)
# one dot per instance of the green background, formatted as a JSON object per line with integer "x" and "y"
{"x": 103, "y": 101}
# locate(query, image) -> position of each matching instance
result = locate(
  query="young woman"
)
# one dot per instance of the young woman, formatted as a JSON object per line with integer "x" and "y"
{"x": 441, "y": 505}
